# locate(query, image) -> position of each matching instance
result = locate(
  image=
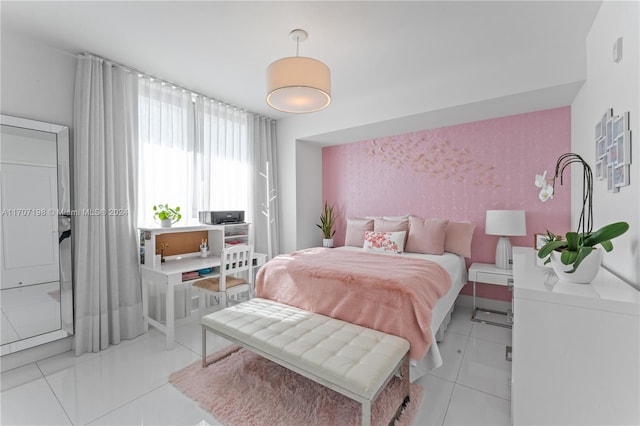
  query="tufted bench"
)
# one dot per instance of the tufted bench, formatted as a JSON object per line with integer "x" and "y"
{"x": 355, "y": 361}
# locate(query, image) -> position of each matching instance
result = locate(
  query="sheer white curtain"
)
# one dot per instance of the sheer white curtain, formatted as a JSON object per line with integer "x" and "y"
{"x": 222, "y": 161}
{"x": 194, "y": 153}
{"x": 107, "y": 294}
{"x": 166, "y": 116}
{"x": 201, "y": 154}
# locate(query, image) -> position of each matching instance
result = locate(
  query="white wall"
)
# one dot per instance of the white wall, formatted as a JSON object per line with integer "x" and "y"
{"x": 308, "y": 186}
{"x": 37, "y": 81}
{"x": 286, "y": 175}
{"x": 612, "y": 85}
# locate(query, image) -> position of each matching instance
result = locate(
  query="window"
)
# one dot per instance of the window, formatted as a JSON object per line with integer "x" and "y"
{"x": 193, "y": 153}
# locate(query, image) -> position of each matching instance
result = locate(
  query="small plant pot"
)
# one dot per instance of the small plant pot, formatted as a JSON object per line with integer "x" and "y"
{"x": 585, "y": 273}
{"x": 327, "y": 242}
{"x": 166, "y": 223}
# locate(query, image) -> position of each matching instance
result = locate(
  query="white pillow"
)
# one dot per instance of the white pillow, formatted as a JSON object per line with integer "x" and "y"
{"x": 384, "y": 242}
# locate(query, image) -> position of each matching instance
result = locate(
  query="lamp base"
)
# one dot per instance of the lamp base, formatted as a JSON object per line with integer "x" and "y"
{"x": 504, "y": 257}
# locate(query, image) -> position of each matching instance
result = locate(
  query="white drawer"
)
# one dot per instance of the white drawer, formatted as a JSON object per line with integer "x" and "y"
{"x": 489, "y": 278}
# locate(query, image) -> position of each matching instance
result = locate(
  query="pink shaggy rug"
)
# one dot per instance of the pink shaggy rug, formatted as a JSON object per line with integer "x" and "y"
{"x": 242, "y": 388}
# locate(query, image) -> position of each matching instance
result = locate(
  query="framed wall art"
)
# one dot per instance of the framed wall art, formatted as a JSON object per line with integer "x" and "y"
{"x": 613, "y": 150}
{"x": 539, "y": 241}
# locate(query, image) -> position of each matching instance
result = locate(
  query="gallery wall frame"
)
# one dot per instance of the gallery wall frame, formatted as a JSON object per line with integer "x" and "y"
{"x": 613, "y": 149}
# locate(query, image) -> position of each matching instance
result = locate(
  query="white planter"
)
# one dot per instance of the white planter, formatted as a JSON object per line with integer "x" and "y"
{"x": 327, "y": 242}
{"x": 166, "y": 223}
{"x": 585, "y": 273}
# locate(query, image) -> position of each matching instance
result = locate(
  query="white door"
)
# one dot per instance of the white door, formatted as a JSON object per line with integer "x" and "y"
{"x": 29, "y": 201}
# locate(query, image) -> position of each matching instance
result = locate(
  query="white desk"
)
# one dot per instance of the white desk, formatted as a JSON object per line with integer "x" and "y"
{"x": 169, "y": 276}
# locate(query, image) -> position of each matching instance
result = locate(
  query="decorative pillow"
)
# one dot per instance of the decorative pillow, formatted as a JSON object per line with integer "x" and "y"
{"x": 384, "y": 242}
{"x": 385, "y": 225}
{"x": 457, "y": 238}
{"x": 355, "y": 231}
{"x": 403, "y": 217}
{"x": 426, "y": 235}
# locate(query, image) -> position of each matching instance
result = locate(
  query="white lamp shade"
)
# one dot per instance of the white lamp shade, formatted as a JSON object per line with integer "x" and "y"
{"x": 298, "y": 85}
{"x": 505, "y": 223}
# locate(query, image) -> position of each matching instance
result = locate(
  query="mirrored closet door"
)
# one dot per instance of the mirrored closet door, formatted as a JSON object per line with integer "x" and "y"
{"x": 36, "y": 298}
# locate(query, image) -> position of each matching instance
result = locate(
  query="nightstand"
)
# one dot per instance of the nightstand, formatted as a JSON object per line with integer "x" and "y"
{"x": 489, "y": 274}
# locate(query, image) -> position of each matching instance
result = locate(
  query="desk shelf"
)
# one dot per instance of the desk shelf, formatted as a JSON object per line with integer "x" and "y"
{"x": 167, "y": 276}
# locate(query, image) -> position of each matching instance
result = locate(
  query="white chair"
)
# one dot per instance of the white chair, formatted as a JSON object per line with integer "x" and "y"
{"x": 233, "y": 261}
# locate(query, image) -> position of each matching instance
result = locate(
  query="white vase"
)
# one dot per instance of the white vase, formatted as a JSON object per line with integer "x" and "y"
{"x": 166, "y": 223}
{"x": 327, "y": 242}
{"x": 585, "y": 273}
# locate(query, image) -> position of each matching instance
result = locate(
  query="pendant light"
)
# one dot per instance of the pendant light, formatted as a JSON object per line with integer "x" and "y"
{"x": 297, "y": 84}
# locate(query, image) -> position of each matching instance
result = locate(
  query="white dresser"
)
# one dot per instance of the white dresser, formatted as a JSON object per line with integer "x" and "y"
{"x": 576, "y": 350}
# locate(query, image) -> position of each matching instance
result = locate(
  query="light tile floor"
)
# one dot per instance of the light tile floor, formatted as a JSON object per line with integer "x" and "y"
{"x": 128, "y": 384}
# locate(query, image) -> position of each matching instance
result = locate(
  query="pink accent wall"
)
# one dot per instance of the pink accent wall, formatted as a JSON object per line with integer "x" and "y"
{"x": 457, "y": 173}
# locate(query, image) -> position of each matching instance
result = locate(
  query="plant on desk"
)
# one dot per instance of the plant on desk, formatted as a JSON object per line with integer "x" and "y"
{"x": 166, "y": 215}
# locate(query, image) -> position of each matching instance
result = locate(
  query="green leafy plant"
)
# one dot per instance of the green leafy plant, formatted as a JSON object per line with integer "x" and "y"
{"x": 327, "y": 220}
{"x": 577, "y": 246}
{"x": 163, "y": 211}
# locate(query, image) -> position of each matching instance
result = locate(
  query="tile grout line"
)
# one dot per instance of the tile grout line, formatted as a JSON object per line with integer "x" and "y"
{"x": 54, "y": 394}
{"x": 455, "y": 382}
{"x": 484, "y": 392}
{"x": 127, "y": 403}
{"x": 100, "y": 354}
{"x": 464, "y": 354}
{"x": 462, "y": 362}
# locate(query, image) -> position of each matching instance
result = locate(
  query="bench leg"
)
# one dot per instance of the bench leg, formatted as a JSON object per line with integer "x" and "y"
{"x": 405, "y": 379}
{"x": 406, "y": 383}
{"x": 204, "y": 346}
{"x": 366, "y": 413}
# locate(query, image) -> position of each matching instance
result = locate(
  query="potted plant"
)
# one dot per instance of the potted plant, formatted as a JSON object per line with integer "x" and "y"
{"x": 166, "y": 215}
{"x": 577, "y": 249}
{"x": 327, "y": 220}
{"x": 574, "y": 249}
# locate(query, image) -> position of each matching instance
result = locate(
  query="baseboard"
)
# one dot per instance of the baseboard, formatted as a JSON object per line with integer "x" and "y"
{"x": 37, "y": 353}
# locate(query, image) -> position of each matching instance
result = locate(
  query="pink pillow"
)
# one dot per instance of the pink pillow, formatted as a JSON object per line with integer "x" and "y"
{"x": 384, "y": 242}
{"x": 385, "y": 225}
{"x": 426, "y": 235}
{"x": 458, "y": 237}
{"x": 355, "y": 231}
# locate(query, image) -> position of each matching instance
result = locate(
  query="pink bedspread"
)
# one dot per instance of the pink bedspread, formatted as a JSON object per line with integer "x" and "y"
{"x": 387, "y": 293}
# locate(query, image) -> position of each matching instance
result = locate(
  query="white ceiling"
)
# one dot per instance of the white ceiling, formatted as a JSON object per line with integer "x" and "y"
{"x": 423, "y": 55}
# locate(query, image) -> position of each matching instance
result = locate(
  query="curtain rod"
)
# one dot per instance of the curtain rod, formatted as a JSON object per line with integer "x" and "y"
{"x": 193, "y": 92}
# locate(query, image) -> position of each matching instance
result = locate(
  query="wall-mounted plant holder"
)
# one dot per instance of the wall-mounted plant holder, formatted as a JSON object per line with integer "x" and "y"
{"x": 613, "y": 150}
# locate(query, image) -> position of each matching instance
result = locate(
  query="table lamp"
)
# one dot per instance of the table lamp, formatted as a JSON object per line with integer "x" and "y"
{"x": 505, "y": 223}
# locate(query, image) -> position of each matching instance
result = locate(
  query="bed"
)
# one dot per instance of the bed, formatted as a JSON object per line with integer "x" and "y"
{"x": 276, "y": 281}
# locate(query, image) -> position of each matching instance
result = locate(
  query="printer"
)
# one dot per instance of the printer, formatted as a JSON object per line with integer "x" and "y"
{"x": 221, "y": 217}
